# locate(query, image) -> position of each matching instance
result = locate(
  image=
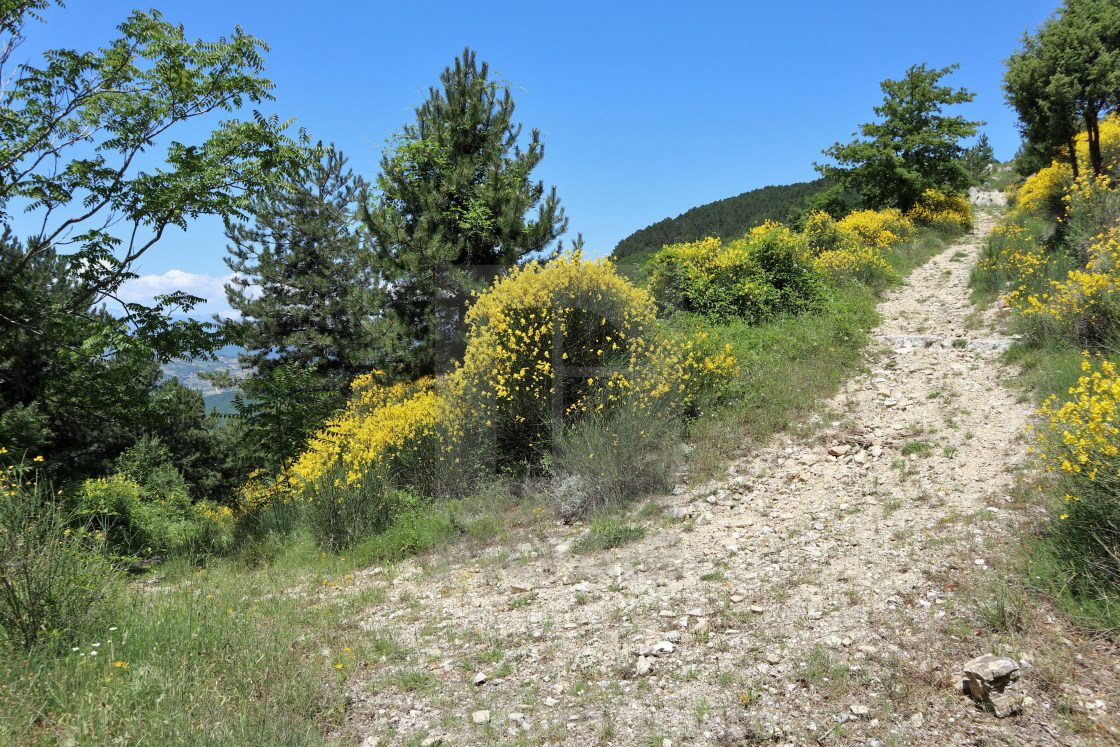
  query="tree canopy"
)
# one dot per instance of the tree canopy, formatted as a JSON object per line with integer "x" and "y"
{"x": 454, "y": 204}
{"x": 912, "y": 148}
{"x": 1066, "y": 77}
{"x": 89, "y": 167}
{"x": 728, "y": 218}
{"x": 310, "y": 302}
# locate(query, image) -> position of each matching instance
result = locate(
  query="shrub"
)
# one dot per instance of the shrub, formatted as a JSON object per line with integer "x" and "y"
{"x": 134, "y": 521}
{"x": 709, "y": 278}
{"x": 606, "y": 337}
{"x": 1041, "y": 195}
{"x": 785, "y": 261}
{"x": 394, "y": 447}
{"x": 54, "y": 581}
{"x": 767, "y": 272}
{"x": 823, "y": 234}
{"x": 604, "y": 459}
{"x": 1081, "y": 446}
{"x": 880, "y": 229}
{"x": 942, "y": 211}
{"x": 211, "y": 529}
{"x": 862, "y": 263}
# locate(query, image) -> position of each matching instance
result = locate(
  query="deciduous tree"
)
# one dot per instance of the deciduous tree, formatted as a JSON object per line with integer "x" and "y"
{"x": 90, "y": 180}
{"x": 914, "y": 146}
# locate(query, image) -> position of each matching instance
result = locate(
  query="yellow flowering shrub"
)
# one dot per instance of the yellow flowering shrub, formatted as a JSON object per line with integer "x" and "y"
{"x": 880, "y": 229}
{"x": 386, "y": 433}
{"x": 1085, "y": 306}
{"x": 823, "y": 234}
{"x": 768, "y": 271}
{"x": 861, "y": 263}
{"x": 1041, "y": 194}
{"x": 1080, "y": 445}
{"x": 606, "y": 331}
{"x": 942, "y": 211}
{"x": 393, "y": 444}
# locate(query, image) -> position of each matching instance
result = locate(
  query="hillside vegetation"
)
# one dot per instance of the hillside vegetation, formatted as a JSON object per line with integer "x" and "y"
{"x": 420, "y": 383}
{"x": 728, "y": 218}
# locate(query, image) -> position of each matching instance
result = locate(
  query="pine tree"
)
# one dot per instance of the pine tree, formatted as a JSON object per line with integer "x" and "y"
{"x": 310, "y": 303}
{"x": 452, "y": 208}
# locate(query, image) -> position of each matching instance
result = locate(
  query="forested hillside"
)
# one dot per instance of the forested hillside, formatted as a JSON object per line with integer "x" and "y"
{"x": 728, "y": 218}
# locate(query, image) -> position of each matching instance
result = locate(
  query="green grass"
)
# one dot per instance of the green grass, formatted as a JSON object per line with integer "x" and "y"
{"x": 920, "y": 448}
{"x": 607, "y": 532}
{"x": 785, "y": 367}
{"x": 221, "y": 655}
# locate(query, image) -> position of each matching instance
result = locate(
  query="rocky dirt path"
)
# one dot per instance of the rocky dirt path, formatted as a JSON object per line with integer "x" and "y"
{"x": 823, "y": 592}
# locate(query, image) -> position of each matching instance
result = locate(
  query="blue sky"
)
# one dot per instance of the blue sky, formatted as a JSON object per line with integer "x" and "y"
{"x": 646, "y": 108}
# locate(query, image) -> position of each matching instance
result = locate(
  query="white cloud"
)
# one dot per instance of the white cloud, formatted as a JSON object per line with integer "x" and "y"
{"x": 146, "y": 287}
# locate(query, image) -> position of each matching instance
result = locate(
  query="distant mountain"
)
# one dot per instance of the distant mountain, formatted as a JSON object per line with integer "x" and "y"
{"x": 728, "y": 218}
{"x": 187, "y": 371}
{"x": 222, "y": 402}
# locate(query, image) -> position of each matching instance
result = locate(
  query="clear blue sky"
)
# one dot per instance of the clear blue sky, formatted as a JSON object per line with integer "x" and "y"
{"x": 646, "y": 108}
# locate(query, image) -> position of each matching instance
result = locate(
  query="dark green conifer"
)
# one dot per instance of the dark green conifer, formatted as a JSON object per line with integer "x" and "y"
{"x": 452, "y": 208}
{"x": 310, "y": 303}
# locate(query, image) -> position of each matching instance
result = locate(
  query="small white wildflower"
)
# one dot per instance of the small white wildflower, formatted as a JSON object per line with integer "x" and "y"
{"x": 95, "y": 645}
{"x": 93, "y": 653}
{"x": 74, "y": 649}
{"x": 113, "y": 628}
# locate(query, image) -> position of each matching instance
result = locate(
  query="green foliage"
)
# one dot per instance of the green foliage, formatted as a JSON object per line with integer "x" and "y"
{"x": 309, "y": 300}
{"x": 134, "y": 521}
{"x": 339, "y": 514}
{"x": 54, "y": 582}
{"x": 607, "y": 458}
{"x": 71, "y": 131}
{"x": 765, "y": 273}
{"x": 451, "y": 209}
{"x": 1065, "y": 78}
{"x": 914, "y": 148}
{"x": 76, "y": 131}
{"x": 728, "y": 219}
{"x": 413, "y": 531}
{"x": 977, "y": 157}
{"x": 607, "y": 532}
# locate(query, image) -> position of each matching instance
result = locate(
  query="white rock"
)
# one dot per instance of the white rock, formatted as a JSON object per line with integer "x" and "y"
{"x": 642, "y": 668}
{"x": 481, "y": 717}
{"x": 861, "y": 711}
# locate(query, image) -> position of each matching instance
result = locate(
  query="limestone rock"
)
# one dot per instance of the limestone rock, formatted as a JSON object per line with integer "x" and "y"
{"x": 990, "y": 681}
{"x": 481, "y": 717}
{"x": 643, "y": 667}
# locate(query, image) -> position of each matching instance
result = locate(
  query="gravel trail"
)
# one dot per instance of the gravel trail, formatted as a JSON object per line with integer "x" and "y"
{"x": 813, "y": 595}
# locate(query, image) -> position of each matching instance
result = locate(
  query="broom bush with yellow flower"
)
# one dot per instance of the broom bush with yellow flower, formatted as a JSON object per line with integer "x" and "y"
{"x": 1080, "y": 447}
{"x": 568, "y": 333}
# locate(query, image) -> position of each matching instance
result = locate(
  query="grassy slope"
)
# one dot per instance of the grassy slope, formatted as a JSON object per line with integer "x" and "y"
{"x": 254, "y": 649}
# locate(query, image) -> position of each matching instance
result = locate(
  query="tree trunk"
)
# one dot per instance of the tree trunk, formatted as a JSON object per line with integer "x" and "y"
{"x": 1093, "y": 131}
